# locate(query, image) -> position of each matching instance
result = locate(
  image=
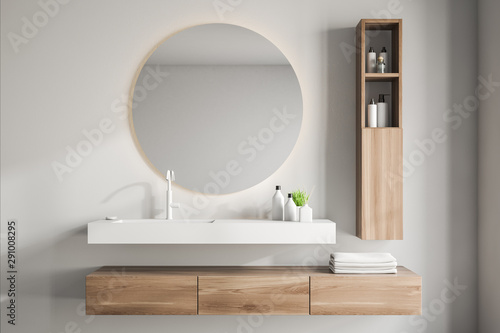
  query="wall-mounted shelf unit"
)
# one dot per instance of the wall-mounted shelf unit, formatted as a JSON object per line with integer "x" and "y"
{"x": 249, "y": 290}
{"x": 379, "y": 150}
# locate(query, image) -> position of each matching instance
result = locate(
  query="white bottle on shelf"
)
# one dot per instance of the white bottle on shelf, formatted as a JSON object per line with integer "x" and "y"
{"x": 383, "y": 119}
{"x": 384, "y": 55}
{"x": 371, "y": 119}
{"x": 371, "y": 61}
{"x": 278, "y": 205}
{"x": 290, "y": 209}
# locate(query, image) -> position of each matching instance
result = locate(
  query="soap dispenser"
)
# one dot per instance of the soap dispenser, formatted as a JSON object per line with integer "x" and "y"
{"x": 290, "y": 209}
{"x": 383, "y": 119}
{"x": 278, "y": 204}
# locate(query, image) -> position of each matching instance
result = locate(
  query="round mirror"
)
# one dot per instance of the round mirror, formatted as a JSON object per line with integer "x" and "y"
{"x": 218, "y": 104}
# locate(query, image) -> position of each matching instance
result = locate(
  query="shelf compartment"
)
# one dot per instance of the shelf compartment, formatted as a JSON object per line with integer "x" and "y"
{"x": 387, "y": 33}
{"x": 391, "y": 87}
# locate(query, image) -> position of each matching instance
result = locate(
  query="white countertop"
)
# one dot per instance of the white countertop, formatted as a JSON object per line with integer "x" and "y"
{"x": 210, "y": 231}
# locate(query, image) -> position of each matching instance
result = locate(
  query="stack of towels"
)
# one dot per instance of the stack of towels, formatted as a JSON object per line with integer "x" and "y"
{"x": 362, "y": 263}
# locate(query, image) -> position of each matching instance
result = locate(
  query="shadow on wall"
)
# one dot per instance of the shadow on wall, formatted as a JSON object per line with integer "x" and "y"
{"x": 462, "y": 169}
{"x": 340, "y": 151}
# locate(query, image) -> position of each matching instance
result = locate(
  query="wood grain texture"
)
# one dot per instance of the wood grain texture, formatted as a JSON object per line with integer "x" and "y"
{"x": 115, "y": 294}
{"x": 271, "y": 295}
{"x": 381, "y": 77}
{"x": 156, "y": 271}
{"x": 381, "y": 24}
{"x": 234, "y": 290}
{"x": 381, "y": 183}
{"x": 371, "y": 294}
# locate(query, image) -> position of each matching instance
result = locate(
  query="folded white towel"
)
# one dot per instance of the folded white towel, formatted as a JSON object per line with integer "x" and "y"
{"x": 348, "y": 271}
{"x": 365, "y": 268}
{"x": 363, "y": 271}
{"x": 346, "y": 257}
{"x": 348, "y": 265}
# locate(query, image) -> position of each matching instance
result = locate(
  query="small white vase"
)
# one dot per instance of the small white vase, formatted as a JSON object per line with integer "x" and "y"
{"x": 306, "y": 213}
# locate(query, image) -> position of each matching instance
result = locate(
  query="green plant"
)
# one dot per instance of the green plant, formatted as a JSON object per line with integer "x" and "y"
{"x": 300, "y": 197}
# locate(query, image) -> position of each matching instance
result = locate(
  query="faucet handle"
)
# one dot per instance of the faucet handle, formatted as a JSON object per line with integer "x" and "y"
{"x": 170, "y": 175}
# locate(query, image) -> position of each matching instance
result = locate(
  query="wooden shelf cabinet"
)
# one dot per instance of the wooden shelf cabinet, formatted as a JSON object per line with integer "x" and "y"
{"x": 379, "y": 150}
{"x": 259, "y": 290}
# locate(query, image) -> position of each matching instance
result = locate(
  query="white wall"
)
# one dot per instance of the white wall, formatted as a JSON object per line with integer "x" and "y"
{"x": 489, "y": 164}
{"x": 71, "y": 75}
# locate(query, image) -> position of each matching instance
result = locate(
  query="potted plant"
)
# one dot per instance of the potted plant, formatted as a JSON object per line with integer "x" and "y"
{"x": 301, "y": 199}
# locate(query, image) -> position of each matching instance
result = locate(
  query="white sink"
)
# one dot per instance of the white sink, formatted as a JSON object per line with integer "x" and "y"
{"x": 146, "y": 221}
{"x": 210, "y": 231}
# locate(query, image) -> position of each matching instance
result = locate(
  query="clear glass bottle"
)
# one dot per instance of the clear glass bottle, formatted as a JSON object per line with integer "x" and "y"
{"x": 380, "y": 65}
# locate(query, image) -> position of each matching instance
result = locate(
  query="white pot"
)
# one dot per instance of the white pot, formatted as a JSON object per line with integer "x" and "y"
{"x": 305, "y": 213}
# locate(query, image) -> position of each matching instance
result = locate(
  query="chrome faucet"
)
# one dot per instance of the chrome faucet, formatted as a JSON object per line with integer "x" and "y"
{"x": 170, "y": 176}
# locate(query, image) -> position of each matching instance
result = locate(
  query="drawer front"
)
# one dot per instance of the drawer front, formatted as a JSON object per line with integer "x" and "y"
{"x": 234, "y": 295}
{"x": 366, "y": 295}
{"x": 141, "y": 295}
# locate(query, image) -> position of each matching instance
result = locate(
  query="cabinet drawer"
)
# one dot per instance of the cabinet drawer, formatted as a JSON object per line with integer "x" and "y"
{"x": 141, "y": 295}
{"x": 390, "y": 294}
{"x": 233, "y": 295}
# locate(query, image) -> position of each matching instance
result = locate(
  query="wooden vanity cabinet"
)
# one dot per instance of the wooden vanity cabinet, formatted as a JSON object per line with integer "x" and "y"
{"x": 250, "y": 290}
